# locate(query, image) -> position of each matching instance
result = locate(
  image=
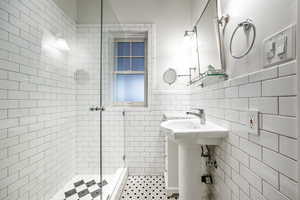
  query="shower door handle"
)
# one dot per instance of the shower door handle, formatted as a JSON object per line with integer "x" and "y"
{"x": 97, "y": 108}
{"x": 93, "y": 109}
{"x": 101, "y": 108}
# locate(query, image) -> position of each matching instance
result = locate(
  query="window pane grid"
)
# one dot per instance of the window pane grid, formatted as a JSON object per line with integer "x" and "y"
{"x": 130, "y": 74}
{"x": 134, "y": 60}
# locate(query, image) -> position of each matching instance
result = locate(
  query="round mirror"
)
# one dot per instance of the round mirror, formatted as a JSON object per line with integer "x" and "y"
{"x": 170, "y": 76}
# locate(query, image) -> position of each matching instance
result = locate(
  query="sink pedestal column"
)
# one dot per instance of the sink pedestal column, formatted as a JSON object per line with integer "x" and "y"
{"x": 190, "y": 186}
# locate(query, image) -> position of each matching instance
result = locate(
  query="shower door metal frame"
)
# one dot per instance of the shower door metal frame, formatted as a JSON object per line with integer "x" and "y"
{"x": 101, "y": 102}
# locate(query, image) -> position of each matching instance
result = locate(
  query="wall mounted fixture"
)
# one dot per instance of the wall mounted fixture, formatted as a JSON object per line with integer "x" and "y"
{"x": 61, "y": 44}
{"x": 223, "y": 21}
{"x": 188, "y": 75}
{"x": 190, "y": 33}
{"x": 170, "y": 75}
{"x": 190, "y": 37}
{"x": 247, "y": 25}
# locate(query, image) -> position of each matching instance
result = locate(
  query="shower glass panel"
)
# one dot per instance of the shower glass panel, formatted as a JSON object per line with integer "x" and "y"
{"x": 100, "y": 142}
{"x": 56, "y": 79}
{"x": 113, "y": 119}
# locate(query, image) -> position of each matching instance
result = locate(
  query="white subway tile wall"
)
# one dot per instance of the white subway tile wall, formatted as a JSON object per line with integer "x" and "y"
{"x": 37, "y": 106}
{"x": 142, "y": 139}
{"x": 255, "y": 167}
{"x": 47, "y": 133}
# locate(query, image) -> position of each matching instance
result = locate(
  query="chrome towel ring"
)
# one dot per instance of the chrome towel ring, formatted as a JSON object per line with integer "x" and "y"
{"x": 247, "y": 25}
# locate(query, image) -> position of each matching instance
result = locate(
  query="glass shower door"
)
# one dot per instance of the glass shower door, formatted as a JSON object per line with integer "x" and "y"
{"x": 100, "y": 128}
{"x": 113, "y": 118}
{"x": 89, "y": 109}
{"x": 73, "y": 79}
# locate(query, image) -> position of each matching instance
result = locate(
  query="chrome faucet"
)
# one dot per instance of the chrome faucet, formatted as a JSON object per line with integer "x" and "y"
{"x": 200, "y": 114}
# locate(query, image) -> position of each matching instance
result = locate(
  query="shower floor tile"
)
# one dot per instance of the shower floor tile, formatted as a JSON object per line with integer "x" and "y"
{"x": 86, "y": 187}
{"x": 84, "y": 190}
{"x": 145, "y": 188}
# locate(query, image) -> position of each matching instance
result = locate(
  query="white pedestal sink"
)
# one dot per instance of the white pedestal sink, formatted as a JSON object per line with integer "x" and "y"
{"x": 189, "y": 134}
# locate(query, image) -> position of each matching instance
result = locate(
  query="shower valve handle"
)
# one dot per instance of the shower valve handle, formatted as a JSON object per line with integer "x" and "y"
{"x": 97, "y": 108}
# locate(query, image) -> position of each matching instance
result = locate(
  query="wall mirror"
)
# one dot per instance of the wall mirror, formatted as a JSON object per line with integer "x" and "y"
{"x": 170, "y": 76}
{"x": 209, "y": 39}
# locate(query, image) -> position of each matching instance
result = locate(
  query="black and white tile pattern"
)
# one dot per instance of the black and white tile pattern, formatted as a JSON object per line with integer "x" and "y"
{"x": 145, "y": 188}
{"x": 85, "y": 190}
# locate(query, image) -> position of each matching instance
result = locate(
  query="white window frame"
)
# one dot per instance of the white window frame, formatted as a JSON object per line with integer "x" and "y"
{"x": 132, "y": 38}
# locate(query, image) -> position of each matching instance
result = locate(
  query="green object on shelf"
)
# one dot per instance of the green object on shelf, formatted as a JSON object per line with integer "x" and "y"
{"x": 217, "y": 74}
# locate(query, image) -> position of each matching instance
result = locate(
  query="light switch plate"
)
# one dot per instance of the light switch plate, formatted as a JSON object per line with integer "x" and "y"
{"x": 253, "y": 122}
{"x": 280, "y": 47}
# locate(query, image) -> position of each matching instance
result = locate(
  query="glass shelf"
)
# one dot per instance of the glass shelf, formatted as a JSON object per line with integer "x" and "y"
{"x": 209, "y": 78}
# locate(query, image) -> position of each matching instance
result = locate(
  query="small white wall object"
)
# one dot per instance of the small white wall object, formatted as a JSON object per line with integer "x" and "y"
{"x": 280, "y": 47}
{"x": 253, "y": 122}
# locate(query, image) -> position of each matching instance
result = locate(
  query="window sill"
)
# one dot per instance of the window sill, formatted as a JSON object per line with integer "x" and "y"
{"x": 118, "y": 107}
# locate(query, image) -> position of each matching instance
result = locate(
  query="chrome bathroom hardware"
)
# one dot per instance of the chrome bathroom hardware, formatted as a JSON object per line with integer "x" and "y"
{"x": 200, "y": 114}
{"x": 125, "y": 136}
{"x": 223, "y": 20}
{"x": 247, "y": 25}
{"x": 170, "y": 75}
{"x": 97, "y": 109}
{"x": 189, "y": 75}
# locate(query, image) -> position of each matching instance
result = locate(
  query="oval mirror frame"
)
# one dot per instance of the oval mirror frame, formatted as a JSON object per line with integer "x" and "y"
{"x": 170, "y": 76}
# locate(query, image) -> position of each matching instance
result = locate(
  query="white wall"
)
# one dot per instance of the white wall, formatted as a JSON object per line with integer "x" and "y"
{"x": 264, "y": 166}
{"x": 69, "y": 7}
{"x": 144, "y": 142}
{"x": 172, "y": 18}
{"x": 250, "y": 166}
{"x": 269, "y": 16}
{"x": 196, "y": 9}
{"x": 37, "y": 101}
{"x": 88, "y": 11}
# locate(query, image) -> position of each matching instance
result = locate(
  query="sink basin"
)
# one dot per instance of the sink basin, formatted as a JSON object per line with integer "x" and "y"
{"x": 192, "y": 132}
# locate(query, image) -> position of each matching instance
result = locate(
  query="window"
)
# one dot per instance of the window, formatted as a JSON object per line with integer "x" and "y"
{"x": 130, "y": 72}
